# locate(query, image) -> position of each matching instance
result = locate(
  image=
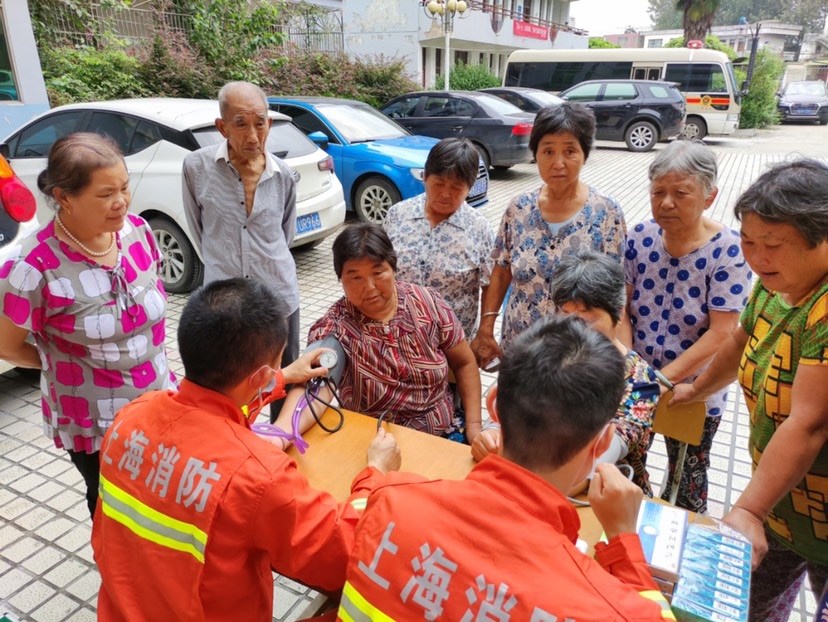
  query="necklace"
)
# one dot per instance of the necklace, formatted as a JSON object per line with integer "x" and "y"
{"x": 83, "y": 247}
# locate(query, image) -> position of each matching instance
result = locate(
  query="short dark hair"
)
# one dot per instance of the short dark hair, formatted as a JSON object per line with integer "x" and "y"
{"x": 593, "y": 279}
{"x": 454, "y": 157}
{"x": 795, "y": 193}
{"x": 72, "y": 160}
{"x": 362, "y": 240}
{"x": 560, "y": 383}
{"x": 229, "y": 329}
{"x": 571, "y": 117}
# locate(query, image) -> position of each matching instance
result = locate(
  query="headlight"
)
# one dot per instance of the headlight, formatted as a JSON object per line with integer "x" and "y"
{"x": 418, "y": 173}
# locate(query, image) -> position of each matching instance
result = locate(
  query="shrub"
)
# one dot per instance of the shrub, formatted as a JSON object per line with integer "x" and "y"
{"x": 468, "y": 78}
{"x": 599, "y": 43}
{"x": 303, "y": 72}
{"x": 171, "y": 68}
{"x": 85, "y": 74}
{"x": 759, "y": 105}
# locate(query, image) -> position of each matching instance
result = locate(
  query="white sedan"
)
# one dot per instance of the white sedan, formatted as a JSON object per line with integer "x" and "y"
{"x": 156, "y": 135}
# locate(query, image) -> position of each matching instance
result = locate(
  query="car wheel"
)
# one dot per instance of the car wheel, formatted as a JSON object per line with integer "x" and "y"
{"x": 181, "y": 268}
{"x": 823, "y": 121}
{"x": 641, "y": 136}
{"x": 374, "y": 197}
{"x": 694, "y": 128}
{"x": 484, "y": 155}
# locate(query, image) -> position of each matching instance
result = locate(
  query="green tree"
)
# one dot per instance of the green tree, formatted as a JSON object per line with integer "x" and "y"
{"x": 600, "y": 43}
{"x": 663, "y": 14}
{"x": 231, "y": 34}
{"x": 759, "y": 104}
{"x": 697, "y": 17}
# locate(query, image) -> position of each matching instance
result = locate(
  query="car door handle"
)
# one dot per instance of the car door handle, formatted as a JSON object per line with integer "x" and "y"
{"x": 457, "y": 127}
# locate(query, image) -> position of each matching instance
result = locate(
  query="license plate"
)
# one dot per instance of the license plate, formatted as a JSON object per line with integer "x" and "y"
{"x": 479, "y": 187}
{"x": 308, "y": 222}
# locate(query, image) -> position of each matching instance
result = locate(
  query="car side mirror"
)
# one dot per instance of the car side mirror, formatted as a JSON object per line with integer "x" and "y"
{"x": 744, "y": 87}
{"x": 320, "y": 139}
{"x": 5, "y": 151}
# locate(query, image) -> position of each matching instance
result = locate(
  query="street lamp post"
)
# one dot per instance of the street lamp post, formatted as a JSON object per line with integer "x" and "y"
{"x": 446, "y": 10}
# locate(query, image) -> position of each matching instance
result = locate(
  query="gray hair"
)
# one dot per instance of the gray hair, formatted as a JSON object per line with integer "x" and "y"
{"x": 231, "y": 88}
{"x": 593, "y": 279}
{"x": 689, "y": 157}
{"x": 795, "y": 193}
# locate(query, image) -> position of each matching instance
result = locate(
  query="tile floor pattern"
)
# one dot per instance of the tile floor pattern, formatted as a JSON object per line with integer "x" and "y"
{"x": 46, "y": 568}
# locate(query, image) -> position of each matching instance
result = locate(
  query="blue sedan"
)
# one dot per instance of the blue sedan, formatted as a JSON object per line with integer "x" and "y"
{"x": 378, "y": 162}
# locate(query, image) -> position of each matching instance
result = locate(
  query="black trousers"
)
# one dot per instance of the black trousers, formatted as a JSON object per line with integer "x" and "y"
{"x": 90, "y": 468}
{"x": 290, "y": 354}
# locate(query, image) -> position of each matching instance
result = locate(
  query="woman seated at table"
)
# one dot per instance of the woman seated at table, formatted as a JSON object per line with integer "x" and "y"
{"x": 400, "y": 340}
{"x": 591, "y": 285}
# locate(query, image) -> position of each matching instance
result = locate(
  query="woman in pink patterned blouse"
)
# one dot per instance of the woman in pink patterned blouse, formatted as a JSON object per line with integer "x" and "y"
{"x": 86, "y": 287}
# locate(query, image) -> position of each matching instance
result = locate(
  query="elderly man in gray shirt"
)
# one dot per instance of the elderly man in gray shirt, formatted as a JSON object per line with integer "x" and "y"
{"x": 240, "y": 203}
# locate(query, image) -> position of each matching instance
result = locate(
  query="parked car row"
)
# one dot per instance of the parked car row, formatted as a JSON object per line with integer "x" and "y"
{"x": 804, "y": 100}
{"x": 346, "y": 155}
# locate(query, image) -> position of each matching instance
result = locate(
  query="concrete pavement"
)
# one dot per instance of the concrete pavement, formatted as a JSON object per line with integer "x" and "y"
{"x": 46, "y": 567}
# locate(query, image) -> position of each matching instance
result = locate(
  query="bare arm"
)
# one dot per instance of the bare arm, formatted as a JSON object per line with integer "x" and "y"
{"x": 484, "y": 346}
{"x": 722, "y": 324}
{"x": 624, "y": 332}
{"x": 14, "y": 348}
{"x": 780, "y": 468}
{"x": 720, "y": 373}
{"x": 463, "y": 365}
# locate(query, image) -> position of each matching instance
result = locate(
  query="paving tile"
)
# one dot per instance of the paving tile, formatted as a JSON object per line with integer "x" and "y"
{"x": 84, "y": 614}
{"x": 86, "y": 587}
{"x": 21, "y": 549}
{"x": 47, "y": 491}
{"x": 54, "y": 468}
{"x": 16, "y": 507}
{"x": 31, "y": 596}
{"x": 9, "y": 534}
{"x": 27, "y": 482}
{"x": 65, "y": 499}
{"x": 75, "y": 539}
{"x": 56, "y": 609}
{"x": 12, "y": 581}
{"x": 38, "y": 516}
{"x": 55, "y": 528}
{"x": 66, "y": 572}
{"x": 43, "y": 560}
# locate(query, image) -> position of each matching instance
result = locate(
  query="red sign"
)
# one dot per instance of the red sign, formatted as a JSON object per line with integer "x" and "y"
{"x": 526, "y": 29}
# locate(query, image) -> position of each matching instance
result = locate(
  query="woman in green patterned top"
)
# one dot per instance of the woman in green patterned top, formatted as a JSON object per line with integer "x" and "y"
{"x": 780, "y": 354}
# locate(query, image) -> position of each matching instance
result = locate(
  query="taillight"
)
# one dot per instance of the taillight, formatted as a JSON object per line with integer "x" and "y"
{"x": 521, "y": 129}
{"x": 326, "y": 165}
{"x": 18, "y": 200}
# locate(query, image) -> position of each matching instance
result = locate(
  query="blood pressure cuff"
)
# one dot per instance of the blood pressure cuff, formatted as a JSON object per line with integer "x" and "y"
{"x": 332, "y": 343}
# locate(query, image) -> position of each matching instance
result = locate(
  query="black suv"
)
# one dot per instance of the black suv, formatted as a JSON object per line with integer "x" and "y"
{"x": 639, "y": 112}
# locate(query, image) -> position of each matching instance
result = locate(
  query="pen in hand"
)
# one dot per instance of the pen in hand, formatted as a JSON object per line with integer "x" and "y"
{"x": 380, "y": 419}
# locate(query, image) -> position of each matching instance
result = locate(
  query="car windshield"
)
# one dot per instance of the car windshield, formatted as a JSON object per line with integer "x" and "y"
{"x": 284, "y": 140}
{"x": 497, "y": 105}
{"x": 806, "y": 88}
{"x": 545, "y": 99}
{"x": 360, "y": 124}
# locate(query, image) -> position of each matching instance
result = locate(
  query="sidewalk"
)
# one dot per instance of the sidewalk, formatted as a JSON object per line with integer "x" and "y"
{"x": 46, "y": 567}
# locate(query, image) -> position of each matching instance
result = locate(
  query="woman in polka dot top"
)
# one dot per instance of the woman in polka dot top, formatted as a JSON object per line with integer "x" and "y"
{"x": 86, "y": 287}
{"x": 687, "y": 282}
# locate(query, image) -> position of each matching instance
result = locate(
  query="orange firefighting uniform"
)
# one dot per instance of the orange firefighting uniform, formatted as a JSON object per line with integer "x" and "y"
{"x": 195, "y": 509}
{"x": 499, "y": 545}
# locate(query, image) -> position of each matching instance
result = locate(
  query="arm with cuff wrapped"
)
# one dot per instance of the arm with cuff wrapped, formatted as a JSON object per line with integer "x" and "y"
{"x": 297, "y": 415}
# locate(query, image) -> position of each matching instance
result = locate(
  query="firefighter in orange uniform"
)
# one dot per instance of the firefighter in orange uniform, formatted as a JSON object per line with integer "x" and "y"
{"x": 500, "y": 545}
{"x": 195, "y": 508}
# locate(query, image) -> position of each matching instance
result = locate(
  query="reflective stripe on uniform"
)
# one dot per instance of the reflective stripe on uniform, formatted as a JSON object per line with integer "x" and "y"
{"x": 360, "y": 503}
{"x": 354, "y": 608}
{"x": 150, "y": 524}
{"x": 658, "y": 598}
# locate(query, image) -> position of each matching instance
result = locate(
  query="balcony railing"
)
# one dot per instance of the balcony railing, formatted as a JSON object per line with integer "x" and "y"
{"x": 488, "y": 6}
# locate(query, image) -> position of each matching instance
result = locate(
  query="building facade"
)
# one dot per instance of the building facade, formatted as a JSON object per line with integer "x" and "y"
{"x": 22, "y": 90}
{"x": 485, "y": 34}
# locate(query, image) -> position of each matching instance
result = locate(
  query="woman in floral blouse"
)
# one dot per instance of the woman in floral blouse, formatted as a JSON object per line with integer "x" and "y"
{"x": 564, "y": 215}
{"x": 591, "y": 286}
